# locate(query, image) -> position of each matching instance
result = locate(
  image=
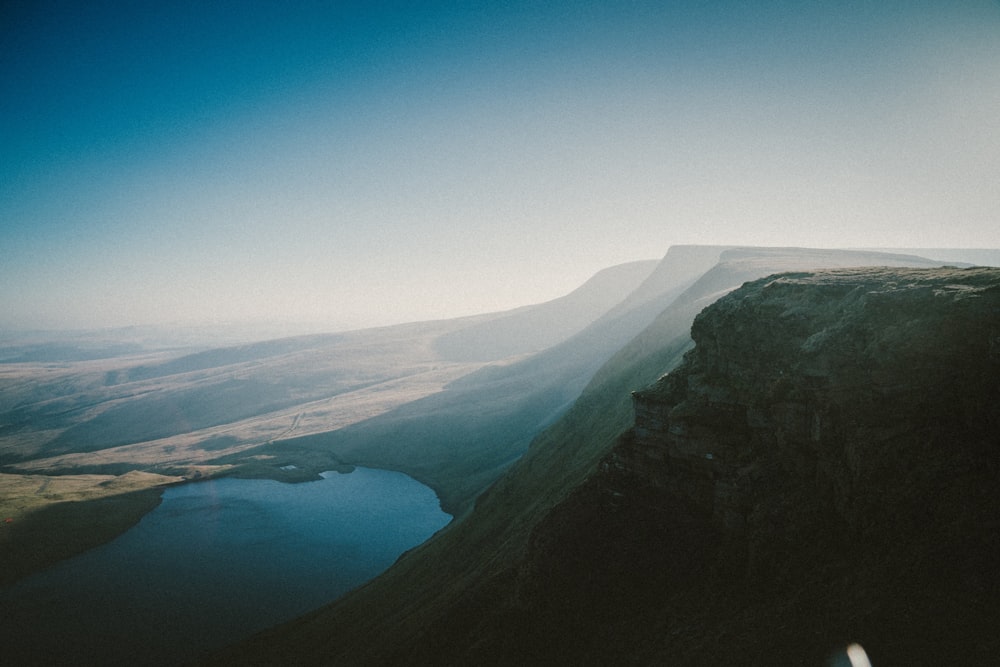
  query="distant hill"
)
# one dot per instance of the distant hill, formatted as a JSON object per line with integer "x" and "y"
{"x": 534, "y": 328}
{"x": 135, "y": 397}
{"x": 461, "y": 439}
{"x": 471, "y": 594}
{"x": 961, "y": 256}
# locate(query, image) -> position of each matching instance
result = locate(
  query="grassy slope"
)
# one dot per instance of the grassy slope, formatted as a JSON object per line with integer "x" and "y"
{"x": 449, "y": 582}
{"x": 89, "y": 407}
{"x": 52, "y": 518}
{"x": 56, "y": 409}
{"x": 460, "y": 440}
{"x": 899, "y": 565}
{"x": 197, "y": 414}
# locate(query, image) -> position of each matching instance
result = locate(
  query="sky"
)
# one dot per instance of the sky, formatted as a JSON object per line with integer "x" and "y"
{"x": 354, "y": 164}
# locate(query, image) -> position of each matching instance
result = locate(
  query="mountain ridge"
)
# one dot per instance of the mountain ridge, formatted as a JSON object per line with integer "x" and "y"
{"x": 459, "y": 440}
{"x": 461, "y": 573}
{"x": 194, "y": 413}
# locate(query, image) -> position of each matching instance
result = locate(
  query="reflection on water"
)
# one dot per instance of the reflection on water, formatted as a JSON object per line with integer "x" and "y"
{"x": 215, "y": 562}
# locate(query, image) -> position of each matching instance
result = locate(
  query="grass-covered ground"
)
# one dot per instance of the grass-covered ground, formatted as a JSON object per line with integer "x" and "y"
{"x": 44, "y": 519}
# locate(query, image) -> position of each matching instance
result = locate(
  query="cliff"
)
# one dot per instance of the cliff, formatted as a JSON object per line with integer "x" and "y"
{"x": 822, "y": 468}
{"x": 835, "y": 380}
{"x": 597, "y": 549}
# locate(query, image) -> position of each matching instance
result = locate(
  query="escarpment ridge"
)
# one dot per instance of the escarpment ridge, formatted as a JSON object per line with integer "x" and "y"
{"x": 820, "y": 468}
{"x": 828, "y": 376}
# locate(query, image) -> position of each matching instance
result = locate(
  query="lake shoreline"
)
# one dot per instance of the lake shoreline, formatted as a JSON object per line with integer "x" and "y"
{"x": 37, "y": 538}
{"x": 40, "y": 537}
{"x": 215, "y": 562}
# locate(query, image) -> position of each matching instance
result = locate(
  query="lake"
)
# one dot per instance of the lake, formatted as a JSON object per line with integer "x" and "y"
{"x": 215, "y": 562}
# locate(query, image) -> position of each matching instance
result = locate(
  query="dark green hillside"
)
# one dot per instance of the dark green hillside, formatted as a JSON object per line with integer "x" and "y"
{"x": 465, "y": 583}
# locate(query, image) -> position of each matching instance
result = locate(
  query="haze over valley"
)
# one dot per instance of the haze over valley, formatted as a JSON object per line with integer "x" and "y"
{"x": 452, "y": 403}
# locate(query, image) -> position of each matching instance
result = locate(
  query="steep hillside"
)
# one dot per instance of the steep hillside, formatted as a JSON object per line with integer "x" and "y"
{"x": 459, "y": 585}
{"x": 74, "y": 407}
{"x": 461, "y": 439}
{"x": 821, "y": 469}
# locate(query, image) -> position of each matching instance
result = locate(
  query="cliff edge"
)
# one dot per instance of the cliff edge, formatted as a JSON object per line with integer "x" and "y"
{"x": 867, "y": 387}
{"x": 821, "y": 469}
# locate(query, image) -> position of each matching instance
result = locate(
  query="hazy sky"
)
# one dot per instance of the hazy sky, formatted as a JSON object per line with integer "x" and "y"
{"x": 363, "y": 163}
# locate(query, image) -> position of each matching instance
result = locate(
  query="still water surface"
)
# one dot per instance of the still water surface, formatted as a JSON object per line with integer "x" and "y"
{"x": 215, "y": 562}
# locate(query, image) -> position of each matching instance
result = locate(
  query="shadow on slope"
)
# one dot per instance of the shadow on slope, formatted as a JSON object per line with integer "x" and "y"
{"x": 228, "y": 356}
{"x": 170, "y": 412}
{"x": 91, "y": 408}
{"x": 64, "y": 529}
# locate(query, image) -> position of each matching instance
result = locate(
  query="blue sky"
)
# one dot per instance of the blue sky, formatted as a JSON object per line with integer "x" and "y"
{"x": 362, "y": 163}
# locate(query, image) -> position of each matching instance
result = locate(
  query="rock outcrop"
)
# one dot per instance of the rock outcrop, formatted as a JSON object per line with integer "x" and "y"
{"x": 839, "y": 432}
{"x": 837, "y": 381}
{"x": 822, "y": 468}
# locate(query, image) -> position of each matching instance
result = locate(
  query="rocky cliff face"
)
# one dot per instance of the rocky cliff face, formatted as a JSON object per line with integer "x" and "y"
{"x": 867, "y": 388}
{"x": 823, "y": 467}
{"x": 833, "y": 443}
